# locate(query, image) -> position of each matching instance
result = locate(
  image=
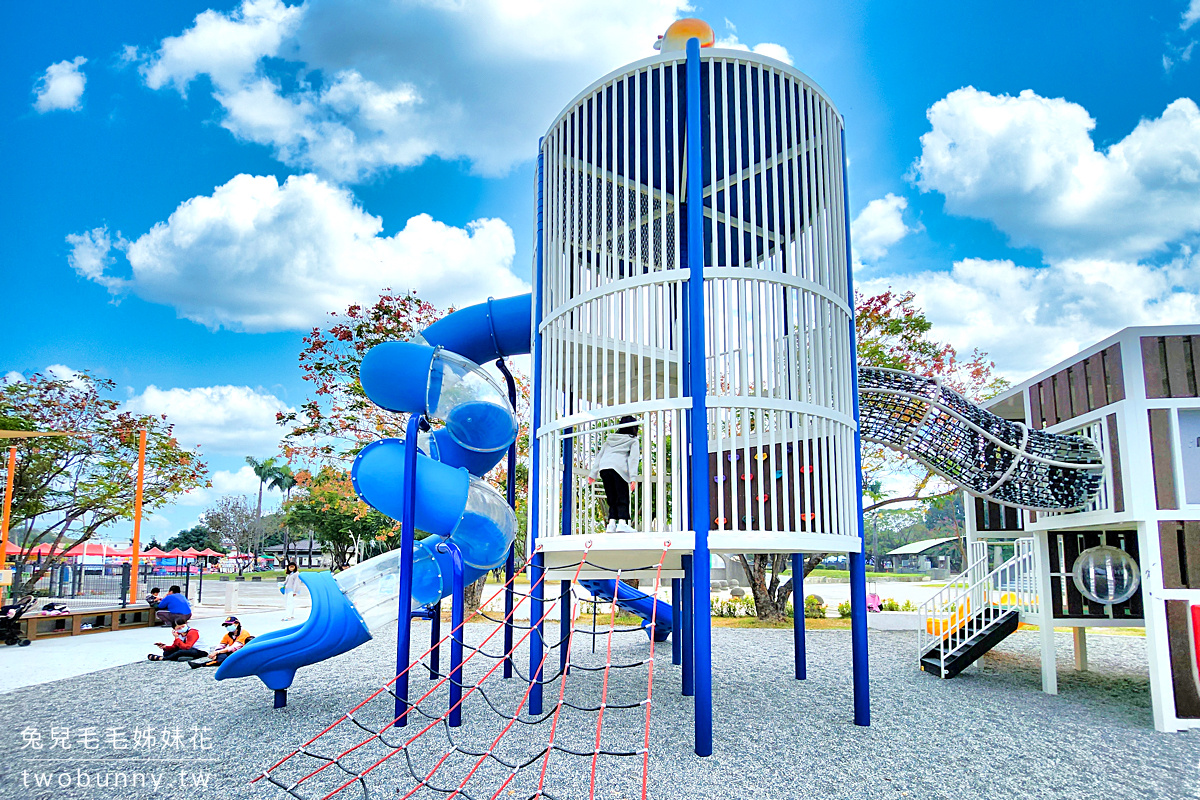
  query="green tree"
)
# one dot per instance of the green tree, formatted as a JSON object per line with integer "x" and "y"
{"x": 231, "y": 519}
{"x": 283, "y": 480}
{"x": 67, "y": 487}
{"x": 196, "y": 536}
{"x": 330, "y": 512}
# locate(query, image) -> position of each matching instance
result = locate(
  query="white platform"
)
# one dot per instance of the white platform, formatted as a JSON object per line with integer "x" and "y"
{"x": 638, "y": 554}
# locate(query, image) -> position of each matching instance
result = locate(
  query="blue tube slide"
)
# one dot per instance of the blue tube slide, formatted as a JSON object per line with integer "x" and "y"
{"x": 427, "y": 376}
{"x": 635, "y": 602}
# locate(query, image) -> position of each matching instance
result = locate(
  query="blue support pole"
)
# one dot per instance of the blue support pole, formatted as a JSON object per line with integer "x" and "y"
{"x": 687, "y": 645}
{"x": 564, "y": 605}
{"x": 408, "y": 532}
{"x": 510, "y": 563}
{"x": 536, "y": 591}
{"x": 457, "y": 633}
{"x": 698, "y": 415}
{"x": 565, "y": 587}
{"x": 798, "y": 616}
{"x": 858, "y": 561}
{"x": 435, "y": 636}
{"x": 676, "y": 622}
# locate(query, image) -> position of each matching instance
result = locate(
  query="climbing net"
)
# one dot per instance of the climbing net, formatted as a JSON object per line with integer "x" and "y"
{"x": 501, "y": 749}
{"x": 990, "y": 457}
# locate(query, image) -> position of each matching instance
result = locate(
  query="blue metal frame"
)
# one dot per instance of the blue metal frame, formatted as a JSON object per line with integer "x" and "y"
{"x": 457, "y": 633}
{"x": 676, "y": 622}
{"x": 435, "y": 636}
{"x": 798, "y": 616}
{"x": 698, "y": 416}
{"x": 536, "y": 590}
{"x": 858, "y": 561}
{"x": 408, "y": 531}
{"x": 687, "y": 678}
{"x": 510, "y": 563}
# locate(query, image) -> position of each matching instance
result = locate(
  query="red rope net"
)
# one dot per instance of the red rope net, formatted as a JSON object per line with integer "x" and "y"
{"x": 500, "y": 749}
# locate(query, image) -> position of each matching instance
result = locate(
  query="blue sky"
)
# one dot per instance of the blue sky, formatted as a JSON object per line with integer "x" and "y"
{"x": 190, "y": 186}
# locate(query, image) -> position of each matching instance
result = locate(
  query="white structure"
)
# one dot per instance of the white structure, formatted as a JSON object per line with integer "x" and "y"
{"x": 1136, "y": 395}
{"x": 614, "y": 312}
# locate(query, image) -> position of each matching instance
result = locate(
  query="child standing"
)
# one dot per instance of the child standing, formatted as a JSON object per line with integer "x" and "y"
{"x": 291, "y": 588}
{"x": 617, "y": 467}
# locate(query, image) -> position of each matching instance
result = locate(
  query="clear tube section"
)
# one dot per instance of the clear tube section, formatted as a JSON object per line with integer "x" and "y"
{"x": 487, "y": 529}
{"x": 474, "y": 407}
{"x": 374, "y": 585}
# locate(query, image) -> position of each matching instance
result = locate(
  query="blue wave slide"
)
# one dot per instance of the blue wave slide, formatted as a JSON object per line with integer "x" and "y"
{"x": 437, "y": 374}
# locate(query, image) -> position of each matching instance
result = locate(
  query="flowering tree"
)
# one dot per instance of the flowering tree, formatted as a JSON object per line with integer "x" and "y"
{"x": 327, "y": 507}
{"x": 338, "y": 420}
{"x": 892, "y": 332}
{"x": 67, "y": 487}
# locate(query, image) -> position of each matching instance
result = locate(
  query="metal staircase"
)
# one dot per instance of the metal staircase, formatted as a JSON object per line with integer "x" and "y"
{"x": 977, "y": 610}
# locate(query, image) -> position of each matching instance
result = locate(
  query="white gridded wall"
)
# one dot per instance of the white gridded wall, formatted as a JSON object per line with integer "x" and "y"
{"x": 778, "y": 311}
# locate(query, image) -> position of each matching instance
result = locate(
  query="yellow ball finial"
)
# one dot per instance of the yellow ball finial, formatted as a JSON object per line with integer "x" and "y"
{"x": 677, "y": 35}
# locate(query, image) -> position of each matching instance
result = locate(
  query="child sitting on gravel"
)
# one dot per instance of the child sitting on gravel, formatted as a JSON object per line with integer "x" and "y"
{"x": 186, "y": 645}
{"x": 232, "y": 641}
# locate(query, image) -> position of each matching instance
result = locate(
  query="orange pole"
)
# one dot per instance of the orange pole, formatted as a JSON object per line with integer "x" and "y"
{"x": 8, "y": 494}
{"x": 137, "y": 515}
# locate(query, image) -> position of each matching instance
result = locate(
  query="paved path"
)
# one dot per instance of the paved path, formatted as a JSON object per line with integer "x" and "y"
{"x": 72, "y": 656}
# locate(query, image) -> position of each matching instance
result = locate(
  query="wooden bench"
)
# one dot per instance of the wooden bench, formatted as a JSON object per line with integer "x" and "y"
{"x": 98, "y": 620}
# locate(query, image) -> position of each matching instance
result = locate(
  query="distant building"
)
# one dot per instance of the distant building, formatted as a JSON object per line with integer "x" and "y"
{"x": 307, "y": 553}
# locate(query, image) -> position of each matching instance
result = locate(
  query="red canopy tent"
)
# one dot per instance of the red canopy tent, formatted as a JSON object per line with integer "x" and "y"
{"x": 208, "y": 551}
{"x": 94, "y": 549}
{"x": 175, "y": 553}
{"x": 153, "y": 552}
{"x": 191, "y": 552}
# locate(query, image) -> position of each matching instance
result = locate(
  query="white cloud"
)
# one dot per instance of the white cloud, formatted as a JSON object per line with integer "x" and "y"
{"x": 61, "y": 87}
{"x": 1028, "y": 164}
{"x": 877, "y": 227}
{"x": 231, "y": 420}
{"x": 1191, "y": 15}
{"x": 12, "y": 376}
{"x": 224, "y": 482}
{"x": 368, "y": 87}
{"x": 91, "y": 256}
{"x": 1027, "y": 318}
{"x": 258, "y": 256}
{"x": 225, "y": 47}
{"x": 769, "y": 49}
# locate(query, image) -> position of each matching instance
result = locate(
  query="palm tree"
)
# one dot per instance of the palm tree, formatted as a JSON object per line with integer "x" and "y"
{"x": 284, "y": 481}
{"x": 266, "y": 470}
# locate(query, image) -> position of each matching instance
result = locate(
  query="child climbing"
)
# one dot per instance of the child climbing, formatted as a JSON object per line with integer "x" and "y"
{"x": 617, "y": 467}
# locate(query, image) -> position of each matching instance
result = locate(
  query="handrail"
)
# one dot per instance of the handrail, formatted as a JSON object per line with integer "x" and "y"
{"x": 947, "y": 616}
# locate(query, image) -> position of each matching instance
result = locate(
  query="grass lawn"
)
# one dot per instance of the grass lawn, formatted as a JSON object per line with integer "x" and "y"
{"x": 871, "y": 576}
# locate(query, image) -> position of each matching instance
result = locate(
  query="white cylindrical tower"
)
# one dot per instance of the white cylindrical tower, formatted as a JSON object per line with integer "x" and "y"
{"x": 778, "y": 354}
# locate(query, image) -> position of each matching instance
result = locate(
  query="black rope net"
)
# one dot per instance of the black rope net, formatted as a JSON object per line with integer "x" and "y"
{"x": 999, "y": 460}
{"x": 501, "y": 749}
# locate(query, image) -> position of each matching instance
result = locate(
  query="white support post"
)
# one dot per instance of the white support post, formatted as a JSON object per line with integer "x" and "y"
{"x": 1162, "y": 694}
{"x": 1046, "y": 616}
{"x": 1080, "y": 635}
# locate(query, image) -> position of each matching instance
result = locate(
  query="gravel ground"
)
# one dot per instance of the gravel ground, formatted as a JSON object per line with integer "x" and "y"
{"x": 988, "y": 733}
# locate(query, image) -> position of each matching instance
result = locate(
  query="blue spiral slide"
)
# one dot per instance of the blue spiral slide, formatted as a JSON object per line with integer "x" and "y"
{"x": 436, "y": 374}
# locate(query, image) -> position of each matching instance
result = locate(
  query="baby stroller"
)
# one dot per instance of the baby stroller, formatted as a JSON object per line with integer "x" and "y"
{"x": 10, "y": 621}
{"x": 874, "y": 601}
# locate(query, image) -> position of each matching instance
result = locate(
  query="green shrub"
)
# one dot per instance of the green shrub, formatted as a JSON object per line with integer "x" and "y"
{"x": 844, "y": 609}
{"x": 814, "y": 607}
{"x": 891, "y": 605}
{"x": 909, "y": 605}
{"x": 734, "y": 607}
